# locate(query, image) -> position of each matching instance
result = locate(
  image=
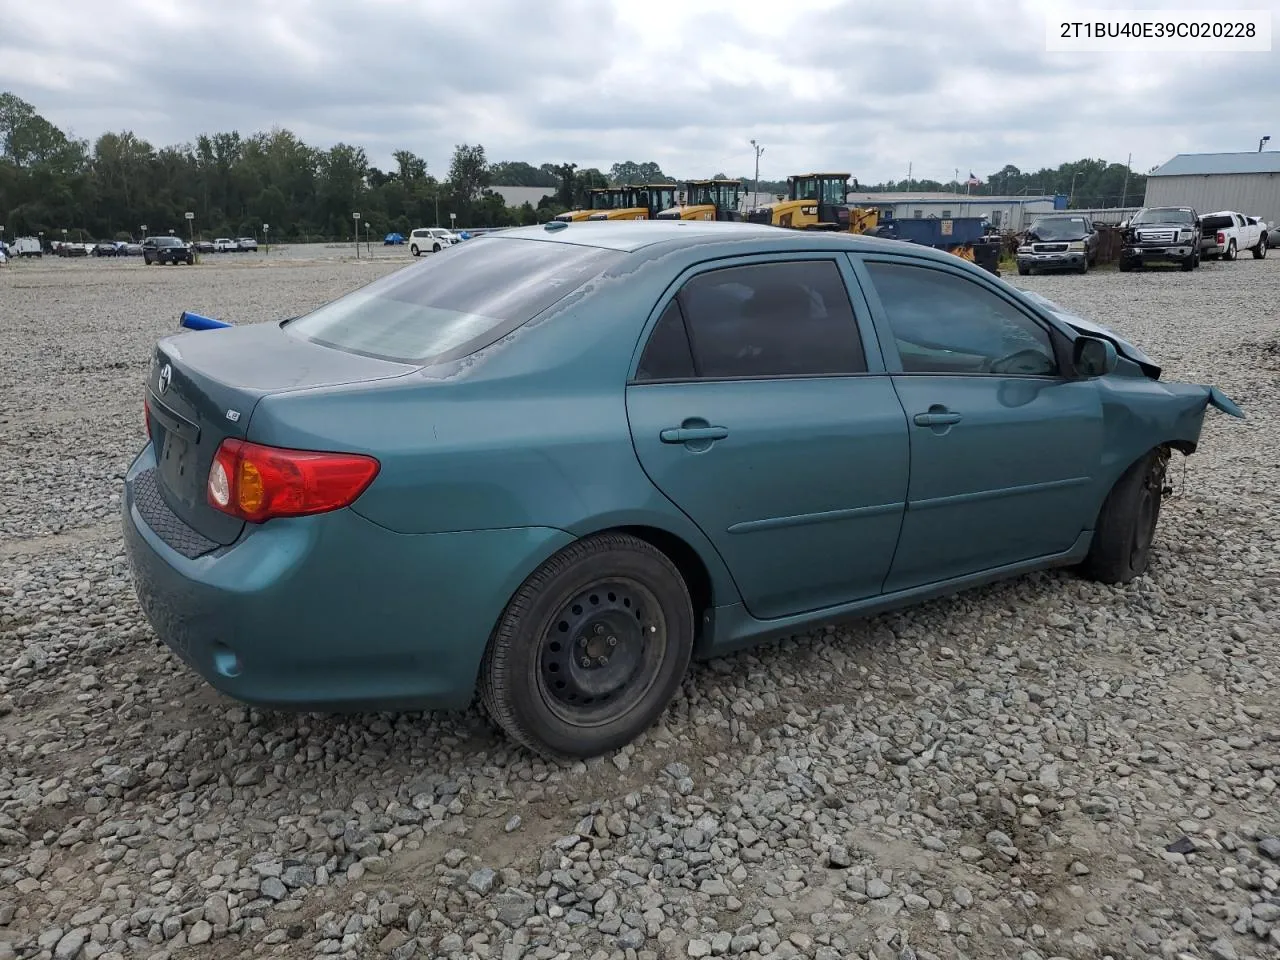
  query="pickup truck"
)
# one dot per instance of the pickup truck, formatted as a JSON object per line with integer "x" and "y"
{"x": 1161, "y": 234}
{"x": 225, "y": 245}
{"x": 1225, "y": 233}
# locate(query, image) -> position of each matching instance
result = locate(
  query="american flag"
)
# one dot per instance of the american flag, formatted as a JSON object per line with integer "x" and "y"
{"x": 972, "y": 181}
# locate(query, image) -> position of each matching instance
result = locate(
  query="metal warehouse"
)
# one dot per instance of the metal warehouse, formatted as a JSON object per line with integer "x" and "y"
{"x": 1248, "y": 183}
{"x": 1004, "y": 213}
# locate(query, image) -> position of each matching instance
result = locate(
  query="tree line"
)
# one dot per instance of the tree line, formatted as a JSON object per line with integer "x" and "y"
{"x": 51, "y": 181}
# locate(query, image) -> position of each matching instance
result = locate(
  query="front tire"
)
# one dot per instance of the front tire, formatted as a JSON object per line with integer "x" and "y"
{"x": 1260, "y": 249}
{"x": 435, "y": 248}
{"x": 1126, "y": 527}
{"x": 1124, "y": 266}
{"x": 414, "y": 250}
{"x": 591, "y": 648}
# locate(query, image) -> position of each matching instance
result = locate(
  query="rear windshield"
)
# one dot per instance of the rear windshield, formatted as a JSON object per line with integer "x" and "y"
{"x": 455, "y": 302}
{"x": 1217, "y": 223}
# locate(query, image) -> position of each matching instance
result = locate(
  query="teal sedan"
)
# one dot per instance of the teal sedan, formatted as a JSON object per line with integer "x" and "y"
{"x": 552, "y": 464}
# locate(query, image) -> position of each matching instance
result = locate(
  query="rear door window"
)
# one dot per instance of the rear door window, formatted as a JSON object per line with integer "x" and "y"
{"x": 785, "y": 319}
{"x": 453, "y": 304}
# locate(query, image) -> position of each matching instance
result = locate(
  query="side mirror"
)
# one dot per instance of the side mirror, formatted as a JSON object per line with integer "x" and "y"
{"x": 1093, "y": 357}
{"x": 1123, "y": 224}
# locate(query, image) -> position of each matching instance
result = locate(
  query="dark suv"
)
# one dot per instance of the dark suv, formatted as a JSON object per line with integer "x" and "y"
{"x": 1057, "y": 243}
{"x": 166, "y": 250}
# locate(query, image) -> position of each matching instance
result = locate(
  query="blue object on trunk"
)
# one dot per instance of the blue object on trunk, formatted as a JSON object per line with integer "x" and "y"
{"x": 193, "y": 321}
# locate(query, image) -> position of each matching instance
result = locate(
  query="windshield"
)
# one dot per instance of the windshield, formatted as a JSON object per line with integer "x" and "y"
{"x": 454, "y": 303}
{"x": 1164, "y": 215}
{"x": 1060, "y": 228}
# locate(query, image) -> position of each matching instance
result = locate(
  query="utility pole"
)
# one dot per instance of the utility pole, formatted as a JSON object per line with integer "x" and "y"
{"x": 1260, "y": 142}
{"x": 756, "y": 186}
{"x": 909, "y": 176}
{"x": 1124, "y": 194}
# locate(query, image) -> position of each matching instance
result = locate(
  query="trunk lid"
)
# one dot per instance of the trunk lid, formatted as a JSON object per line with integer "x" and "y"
{"x": 202, "y": 388}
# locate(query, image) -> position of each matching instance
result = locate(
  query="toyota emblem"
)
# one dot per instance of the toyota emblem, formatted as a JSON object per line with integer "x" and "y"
{"x": 166, "y": 375}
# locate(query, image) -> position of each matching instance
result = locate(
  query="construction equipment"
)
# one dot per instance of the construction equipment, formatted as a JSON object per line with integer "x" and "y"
{"x": 644, "y": 203}
{"x": 815, "y": 201}
{"x": 601, "y": 198}
{"x": 708, "y": 200}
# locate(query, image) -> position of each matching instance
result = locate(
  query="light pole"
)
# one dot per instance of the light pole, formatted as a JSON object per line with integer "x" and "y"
{"x": 266, "y": 241}
{"x": 367, "y": 248}
{"x": 1262, "y": 141}
{"x": 355, "y": 218}
{"x": 755, "y": 189}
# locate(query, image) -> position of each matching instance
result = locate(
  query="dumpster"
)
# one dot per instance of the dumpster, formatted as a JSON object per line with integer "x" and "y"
{"x": 934, "y": 232}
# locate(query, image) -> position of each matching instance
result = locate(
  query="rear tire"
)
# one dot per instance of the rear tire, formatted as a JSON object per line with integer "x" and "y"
{"x": 591, "y": 648}
{"x": 1126, "y": 527}
{"x": 1230, "y": 252}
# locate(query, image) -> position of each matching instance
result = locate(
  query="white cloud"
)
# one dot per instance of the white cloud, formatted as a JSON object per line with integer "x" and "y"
{"x": 862, "y": 85}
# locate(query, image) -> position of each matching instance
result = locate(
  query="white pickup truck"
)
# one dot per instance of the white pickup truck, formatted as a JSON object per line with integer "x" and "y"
{"x": 1226, "y": 233}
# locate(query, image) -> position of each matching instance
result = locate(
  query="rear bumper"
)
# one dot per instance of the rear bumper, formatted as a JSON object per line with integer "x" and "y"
{"x": 332, "y": 612}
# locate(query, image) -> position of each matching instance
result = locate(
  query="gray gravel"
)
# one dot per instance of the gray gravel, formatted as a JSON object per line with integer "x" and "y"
{"x": 1043, "y": 768}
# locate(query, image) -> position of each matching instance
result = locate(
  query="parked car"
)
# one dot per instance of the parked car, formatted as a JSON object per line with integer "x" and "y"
{"x": 203, "y": 246}
{"x": 393, "y": 239}
{"x": 584, "y": 454}
{"x": 27, "y": 247}
{"x": 1059, "y": 242}
{"x": 1161, "y": 235}
{"x": 430, "y": 239}
{"x": 246, "y": 243}
{"x": 224, "y": 245}
{"x": 132, "y": 250}
{"x": 166, "y": 250}
{"x": 106, "y": 248}
{"x": 1226, "y": 233}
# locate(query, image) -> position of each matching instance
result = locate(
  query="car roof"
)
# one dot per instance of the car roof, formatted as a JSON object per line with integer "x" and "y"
{"x": 631, "y": 236}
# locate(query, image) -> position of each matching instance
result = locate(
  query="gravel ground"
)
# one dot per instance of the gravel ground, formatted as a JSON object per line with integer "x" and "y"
{"x": 1043, "y": 768}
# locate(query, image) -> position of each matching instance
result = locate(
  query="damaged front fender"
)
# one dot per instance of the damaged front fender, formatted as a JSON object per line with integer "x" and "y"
{"x": 1224, "y": 403}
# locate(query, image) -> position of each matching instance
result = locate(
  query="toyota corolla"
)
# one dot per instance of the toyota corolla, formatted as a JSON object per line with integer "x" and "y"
{"x": 554, "y": 463}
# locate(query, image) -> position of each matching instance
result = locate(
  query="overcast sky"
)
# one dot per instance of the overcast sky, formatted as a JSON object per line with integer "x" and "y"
{"x": 861, "y": 85}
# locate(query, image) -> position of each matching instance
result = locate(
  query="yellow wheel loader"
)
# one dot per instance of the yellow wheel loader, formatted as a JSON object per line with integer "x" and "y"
{"x": 708, "y": 200}
{"x": 645, "y": 203}
{"x": 817, "y": 201}
{"x": 602, "y": 198}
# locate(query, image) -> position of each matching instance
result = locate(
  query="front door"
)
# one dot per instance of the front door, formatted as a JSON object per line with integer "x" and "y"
{"x": 1004, "y": 448}
{"x": 753, "y": 411}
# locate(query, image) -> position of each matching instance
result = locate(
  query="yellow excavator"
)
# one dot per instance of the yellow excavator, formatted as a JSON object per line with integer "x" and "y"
{"x": 817, "y": 201}
{"x": 602, "y": 198}
{"x": 708, "y": 200}
{"x": 645, "y": 202}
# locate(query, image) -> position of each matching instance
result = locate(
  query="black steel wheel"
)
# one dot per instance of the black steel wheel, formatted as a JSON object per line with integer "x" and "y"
{"x": 591, "y": 648}
{"x": 1126, "y": 527}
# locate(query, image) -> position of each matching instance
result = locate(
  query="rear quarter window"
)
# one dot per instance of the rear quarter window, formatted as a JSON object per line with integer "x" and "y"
{"x": 454, "y": 303}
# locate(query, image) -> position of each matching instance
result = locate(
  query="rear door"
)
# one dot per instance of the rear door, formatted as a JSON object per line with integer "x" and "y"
{"x": 761, "y": 408}
{"x": 1004, "y": 447}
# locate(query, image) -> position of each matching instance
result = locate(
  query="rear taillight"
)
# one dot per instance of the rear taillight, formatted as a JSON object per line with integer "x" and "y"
{"x": 256, "y": 482}
{"x": 1222, "y": 238}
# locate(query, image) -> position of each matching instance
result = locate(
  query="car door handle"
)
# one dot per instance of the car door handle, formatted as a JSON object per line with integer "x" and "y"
{"x": 936, "y": 419}
{"x": 692, "y": 434}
